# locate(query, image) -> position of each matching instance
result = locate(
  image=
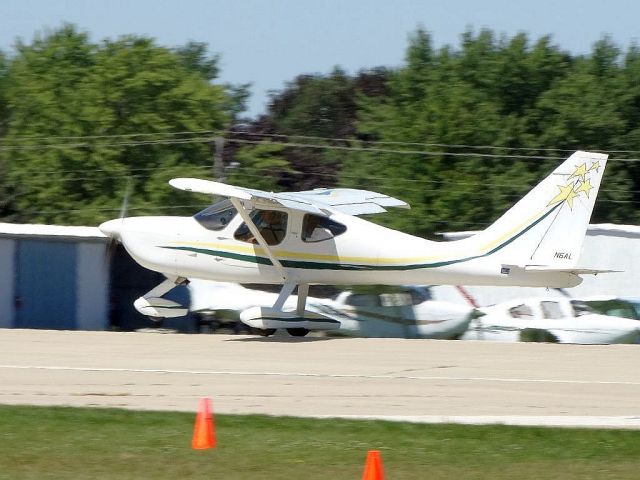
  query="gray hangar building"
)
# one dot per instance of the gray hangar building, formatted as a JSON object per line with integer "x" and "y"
{"x": 58, "y": 277}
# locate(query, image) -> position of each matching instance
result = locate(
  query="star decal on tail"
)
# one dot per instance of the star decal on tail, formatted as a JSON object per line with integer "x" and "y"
{"x": 577, "y": 183}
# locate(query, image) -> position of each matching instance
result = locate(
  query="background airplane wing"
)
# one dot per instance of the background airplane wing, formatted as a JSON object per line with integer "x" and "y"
{"x": 346, "y": 200}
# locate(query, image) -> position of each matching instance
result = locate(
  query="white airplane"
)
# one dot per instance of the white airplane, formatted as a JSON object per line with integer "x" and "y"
{"x": 409, "y": 312}
{"x": 550, "y": 319}
{"x": 315, "y": 237}
{"x": 404, "y": 312}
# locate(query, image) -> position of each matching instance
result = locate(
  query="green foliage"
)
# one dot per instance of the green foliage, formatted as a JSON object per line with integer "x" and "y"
{"x": 260, "y": 167}
{"x": 4, "y": 107}
{"x": 62, "y": 85}
{"x": 413, "y": 132}
{"x": 194, "y": 58}
{"x": 500, "y": 93}
{"x": 313, "y": 106}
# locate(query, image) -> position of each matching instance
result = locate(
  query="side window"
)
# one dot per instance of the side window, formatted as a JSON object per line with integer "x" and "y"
{"x": 581, "y": 308}
{"x": 399, "y": 299}
{"x": 419, "y": 295}
{"x": 272, "y": 225}
{"x": 521, "y": 311}
{"x": 551, "y": 310}
{"x": 217, "y": 216}
{"x": 362, "y": 300}
{"x": 316, "y": 228}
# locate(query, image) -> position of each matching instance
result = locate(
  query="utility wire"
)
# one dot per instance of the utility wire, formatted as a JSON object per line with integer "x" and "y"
{"x": 226, "y": 133}
{"x": 39, "y": 178}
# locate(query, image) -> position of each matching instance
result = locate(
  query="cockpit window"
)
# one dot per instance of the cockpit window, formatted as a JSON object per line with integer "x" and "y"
{"x": 363, "y": 300}
{"x": 581, "y": 308}
{"x": 521, "y": 311}
{"x": 551, "y": 310}
{"x": 316, "y": 228}
{"x": 420, "y": 294}
{"x": 272, "y": 225}
{"x": 217, "y": 216}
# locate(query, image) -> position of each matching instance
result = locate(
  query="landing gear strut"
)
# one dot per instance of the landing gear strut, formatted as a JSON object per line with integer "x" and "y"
{"x": 154, "y": 306}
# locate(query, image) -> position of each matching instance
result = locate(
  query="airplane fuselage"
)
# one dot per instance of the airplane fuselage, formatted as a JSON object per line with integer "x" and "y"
{"x": 365, "y": 253}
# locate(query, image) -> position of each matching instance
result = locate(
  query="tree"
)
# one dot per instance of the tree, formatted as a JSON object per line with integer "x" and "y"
{"x": 130, "y": 96}
{"x": 312, "y": 110}
{"x": 253, "y": 162}
{"x": 5, "y": 195}
{"x": 457, "y": 120}
{"x": 4, "y": 108}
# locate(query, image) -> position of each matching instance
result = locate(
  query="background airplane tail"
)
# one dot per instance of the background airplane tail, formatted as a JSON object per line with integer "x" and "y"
{"x": 547, "y": 227}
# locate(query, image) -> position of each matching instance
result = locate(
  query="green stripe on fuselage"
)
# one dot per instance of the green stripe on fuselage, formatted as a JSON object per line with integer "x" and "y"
{"x": 310, "y": 265}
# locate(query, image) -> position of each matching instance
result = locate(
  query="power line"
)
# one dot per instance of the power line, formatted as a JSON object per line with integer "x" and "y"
{"x": 226, "y": 133}
{"x": 20, "y": 138}
{"x": 44, "y": 177}
{"x": 211, "y": 134}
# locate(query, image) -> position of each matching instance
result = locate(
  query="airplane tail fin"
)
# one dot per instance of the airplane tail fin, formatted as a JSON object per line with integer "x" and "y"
{"x": 547, "y": 227}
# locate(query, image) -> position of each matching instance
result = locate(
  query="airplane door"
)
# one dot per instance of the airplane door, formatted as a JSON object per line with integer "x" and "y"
{"x": 45, "y": 294}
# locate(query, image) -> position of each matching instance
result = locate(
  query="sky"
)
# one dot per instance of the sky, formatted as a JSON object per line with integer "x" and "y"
{"x": 269, "y": 42}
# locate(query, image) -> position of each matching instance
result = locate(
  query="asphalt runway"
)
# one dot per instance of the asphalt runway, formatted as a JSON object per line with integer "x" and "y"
{"x": 417, "y": 380}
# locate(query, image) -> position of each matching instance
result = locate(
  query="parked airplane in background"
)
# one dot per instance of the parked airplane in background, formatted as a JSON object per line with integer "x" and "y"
{"x": 315, "y": 237}
{"x": 402, "y": 312}
{"x": 550, "y": 319}
{"x": 408, "y": 312}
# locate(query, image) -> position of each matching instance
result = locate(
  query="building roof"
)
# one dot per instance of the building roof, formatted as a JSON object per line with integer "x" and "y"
{"x": 593, "y": 229}
{"x": 38, "y": 230}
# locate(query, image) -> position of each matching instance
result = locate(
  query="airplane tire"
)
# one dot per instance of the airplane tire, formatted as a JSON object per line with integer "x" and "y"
{"x": 263, "y": 332}
{"x": 537, "y": 335}
{"x": 297, "y": 332}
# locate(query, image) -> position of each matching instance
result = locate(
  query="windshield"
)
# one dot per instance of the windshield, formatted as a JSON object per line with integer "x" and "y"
{"x": 217, "y": 216}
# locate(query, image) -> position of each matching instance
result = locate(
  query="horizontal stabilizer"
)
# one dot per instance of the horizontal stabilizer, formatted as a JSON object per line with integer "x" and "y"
{"x": 575, "y": 271}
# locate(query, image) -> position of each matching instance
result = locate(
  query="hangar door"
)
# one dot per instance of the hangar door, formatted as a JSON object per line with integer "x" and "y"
{"x": 45, "y": 285}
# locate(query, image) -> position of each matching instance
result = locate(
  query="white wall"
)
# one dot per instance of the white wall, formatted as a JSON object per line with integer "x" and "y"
{"x": 613, "y": 251}
{"x": 606, "y": 247}
{"x": 7, "y": 282}
{"x": 92, "y": 287}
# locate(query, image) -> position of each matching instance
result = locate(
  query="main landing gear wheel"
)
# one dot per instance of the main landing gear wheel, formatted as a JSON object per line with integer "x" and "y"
{"x": 263, "y": 332}
{"x": 297, "y": 332}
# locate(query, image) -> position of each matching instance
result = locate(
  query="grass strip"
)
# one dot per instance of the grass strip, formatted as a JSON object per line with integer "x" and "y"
{"x": 78, "y": 443}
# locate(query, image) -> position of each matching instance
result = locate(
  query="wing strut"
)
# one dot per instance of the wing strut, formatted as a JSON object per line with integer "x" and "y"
{"x": 258, "y": 236}
{"x": 287, "y": 289}
{"x": 303, "y": 291}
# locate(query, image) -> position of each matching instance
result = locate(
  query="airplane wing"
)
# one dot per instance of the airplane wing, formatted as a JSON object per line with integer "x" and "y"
{"x": 346, "y": 200}
{"x": 352, "y": 201}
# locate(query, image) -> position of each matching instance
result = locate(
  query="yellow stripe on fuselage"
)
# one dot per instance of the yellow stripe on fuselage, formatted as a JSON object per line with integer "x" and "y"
{"x": 255, "y": 250}
{"x": 494, "y": 243}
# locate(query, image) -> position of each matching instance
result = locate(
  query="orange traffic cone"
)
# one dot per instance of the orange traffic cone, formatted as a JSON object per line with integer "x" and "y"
{"x": 203, "y": 431}
{"x": 373, "y": 467}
